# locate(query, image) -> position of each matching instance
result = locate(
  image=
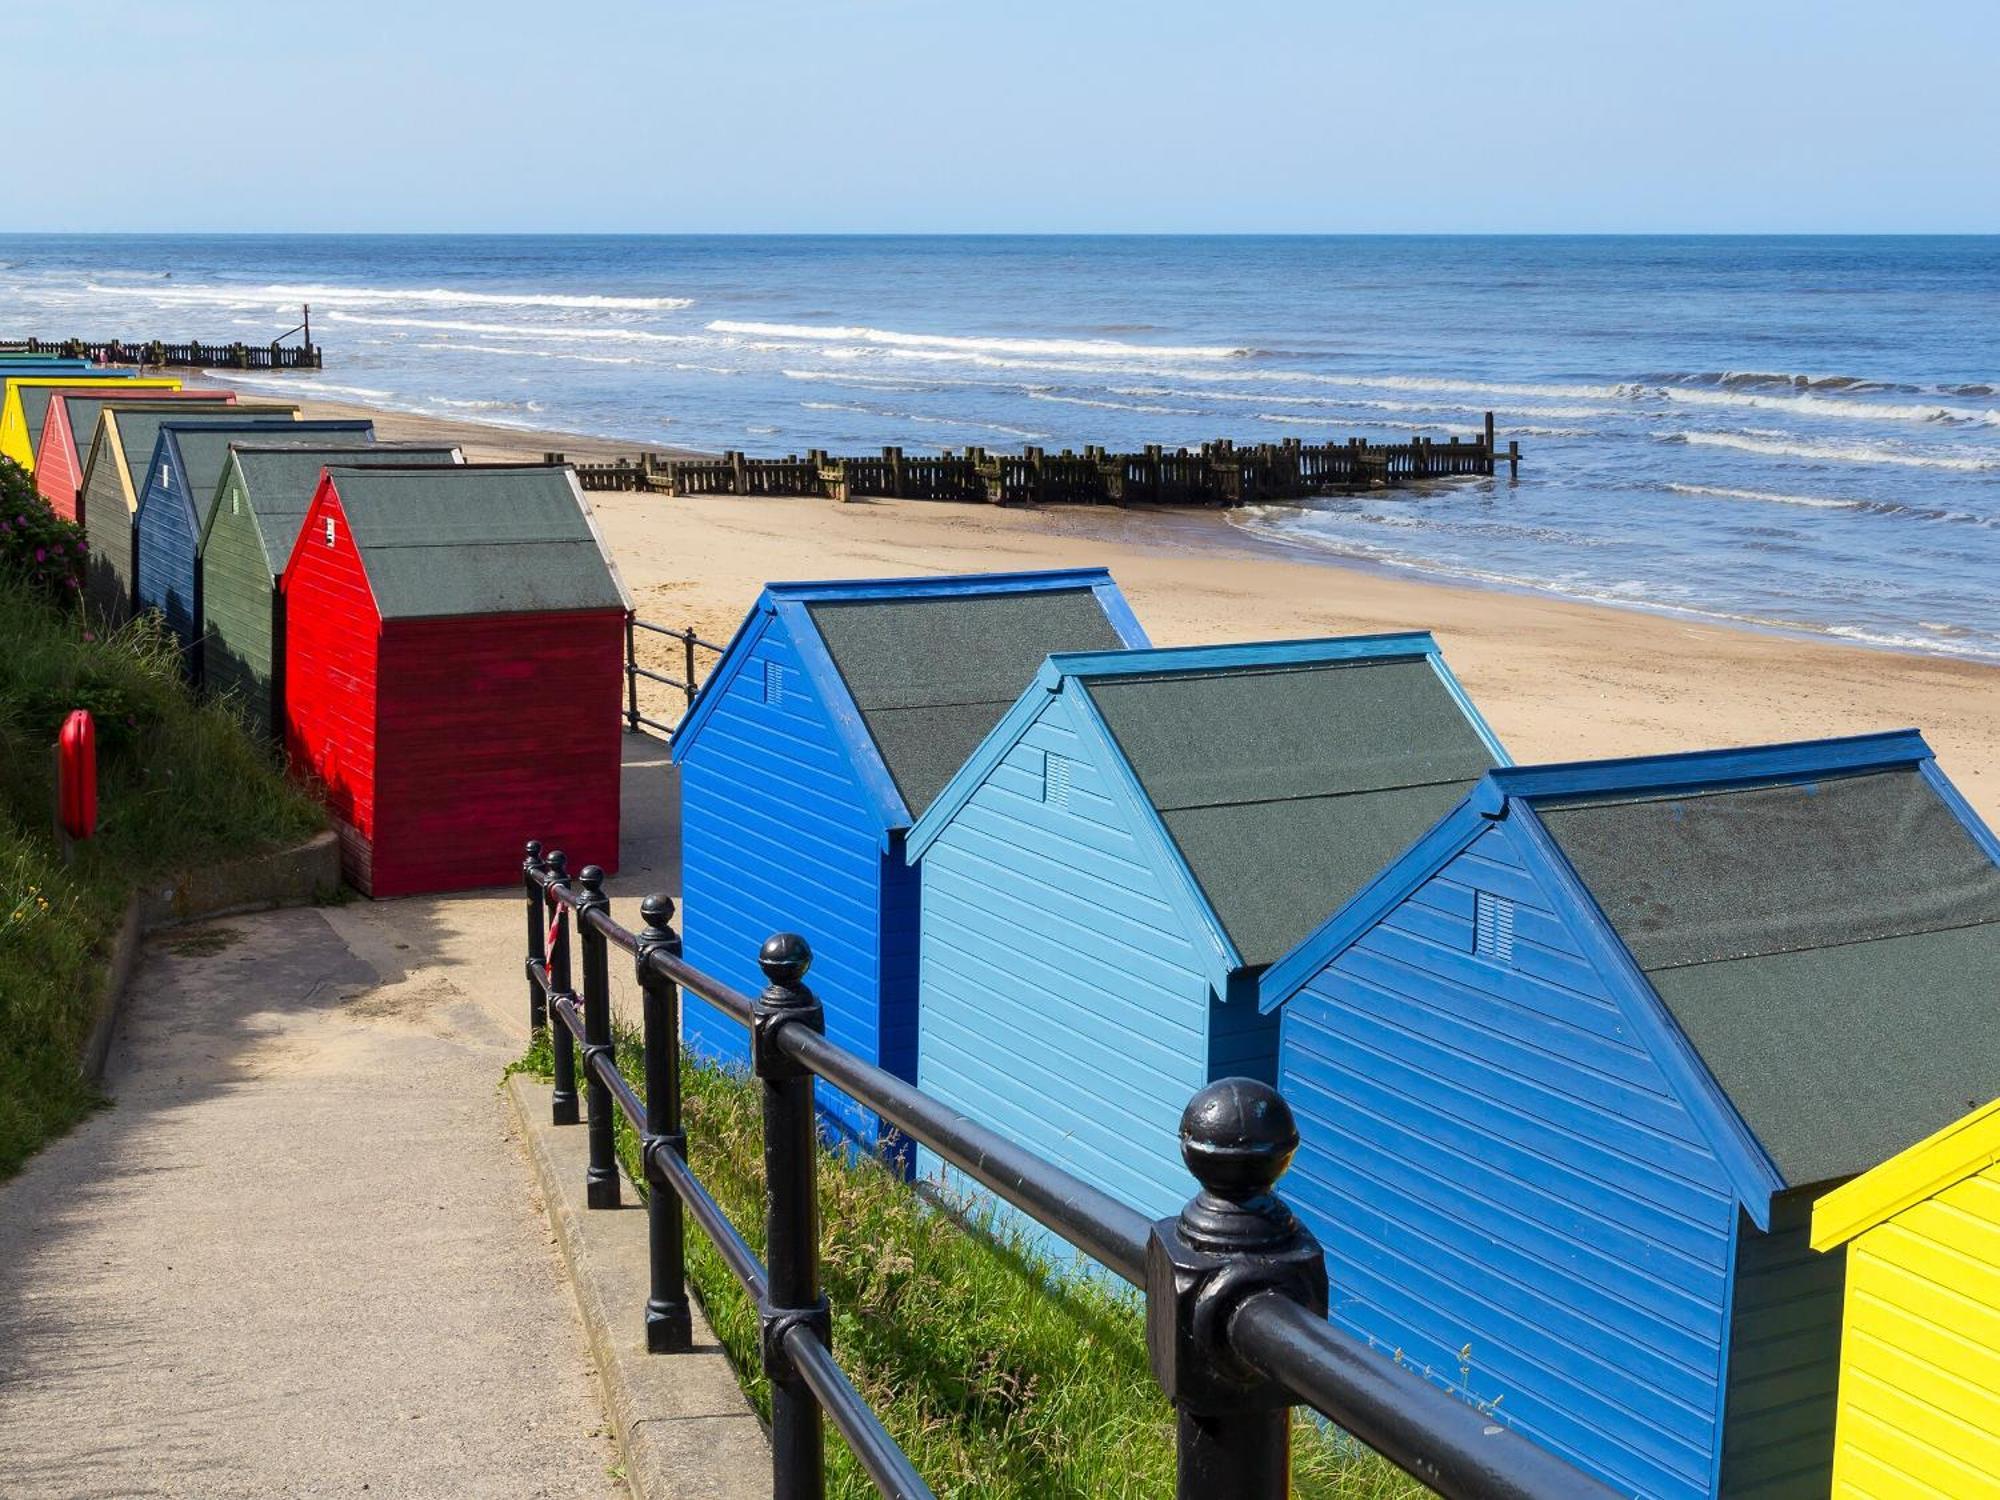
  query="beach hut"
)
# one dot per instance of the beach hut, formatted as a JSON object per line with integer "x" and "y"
{"x": 1919, "y": 1407}
{"x": 70, "y": 425}
{"x": 178, "y": 498}
{"x": 454, "y": 664}
{"x": 1139, "y": 837}
{"x": 1570, "y": 1075}
{"x": 26, "y": 411}
{"x": 16, "y": 441}
{"x": 259, "y": 507}
{"x": 837, "y": 713}
{"x": 114, "y": 476}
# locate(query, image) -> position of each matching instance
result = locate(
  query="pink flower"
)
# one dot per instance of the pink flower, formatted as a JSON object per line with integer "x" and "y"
{"x": 41, "y": 554}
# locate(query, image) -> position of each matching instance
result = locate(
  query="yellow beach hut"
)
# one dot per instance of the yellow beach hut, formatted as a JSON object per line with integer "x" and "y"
{"x": 1919, "y": 1406}
{"x": 24, "y": 404}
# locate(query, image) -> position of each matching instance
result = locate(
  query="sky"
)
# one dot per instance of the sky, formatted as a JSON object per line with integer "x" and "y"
{"x": 1211, "y": 116}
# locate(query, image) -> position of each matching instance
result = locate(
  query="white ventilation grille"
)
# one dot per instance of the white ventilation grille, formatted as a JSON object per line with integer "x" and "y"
{"x": 329, "y": 531}
{"x": 1493, "y": 926}
{"x": 1056, "y": 774}
{"x": 774, "y": 682}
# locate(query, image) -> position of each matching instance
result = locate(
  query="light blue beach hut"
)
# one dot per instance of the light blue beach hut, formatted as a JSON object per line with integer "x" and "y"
{"x": 1571, "y": 1073}
{"x": 1138, "y": 838}
{"x": 180, "y": 486}
{"x": 835, "y": 715}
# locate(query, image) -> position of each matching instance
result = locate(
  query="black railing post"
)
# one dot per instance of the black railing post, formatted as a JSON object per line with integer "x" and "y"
{"x": 1234, "y": 1239}
{"x": 798, "y": 1444}
{"x": 687, "y": 675}
{"x": 538, "y": 1010}
{"x": 669, "y": 1325}
{"x": 601, "y": 1179}
{"x": 563, "y": 1103}
{"x": 631, "y": 674}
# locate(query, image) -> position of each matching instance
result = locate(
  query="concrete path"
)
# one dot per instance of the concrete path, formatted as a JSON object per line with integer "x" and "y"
{"x": 301, "y": 1253}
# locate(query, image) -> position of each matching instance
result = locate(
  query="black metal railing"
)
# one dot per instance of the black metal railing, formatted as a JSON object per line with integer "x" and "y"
{"x": 1235, "y": 1287}
{"x": 687, "y": 684}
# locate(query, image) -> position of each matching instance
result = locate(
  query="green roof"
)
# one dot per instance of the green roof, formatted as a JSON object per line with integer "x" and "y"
{"x": 139, "y": 428}
{"x": 1831, "y": 948}
{"x": 933, "y": 675}
{"x": 1287, "y": 788}
{"x": 204, "y": 451}
{"x": 476, "y": 539}
{"x": 278, "y": 483}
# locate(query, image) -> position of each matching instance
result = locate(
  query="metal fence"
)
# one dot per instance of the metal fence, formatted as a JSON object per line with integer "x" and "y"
{"x": 687, "y": 683}
{"x": 1235, "y": 1287}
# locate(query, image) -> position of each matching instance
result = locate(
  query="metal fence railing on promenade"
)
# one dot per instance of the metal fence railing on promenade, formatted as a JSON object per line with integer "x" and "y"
{"x": 1235, "y": 1287}
{"x": 687, "y": 684}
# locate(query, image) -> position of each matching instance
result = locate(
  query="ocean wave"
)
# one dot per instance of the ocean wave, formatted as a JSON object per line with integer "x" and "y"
{"x": 1161, "y": 411}
{"x": 461, "y": 403}
{"x": 889, "y": 414}
{"x": 566, "y": 354}
{"x": 1822, "y": 406}
{"x": 857, "y": 334}
{"x": 1751, "y": 380}
{"x": 305, "y": 385}
{"x": 1768, "y": 497}
{"x": 1780, "y": 445}
{"x": 375, "y": 296}
{"x": 556, "y": 331}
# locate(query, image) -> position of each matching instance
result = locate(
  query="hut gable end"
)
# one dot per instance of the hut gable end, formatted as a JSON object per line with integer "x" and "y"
{"x": 1094, "y": 1043}
{"x": 1492, "y": 1153}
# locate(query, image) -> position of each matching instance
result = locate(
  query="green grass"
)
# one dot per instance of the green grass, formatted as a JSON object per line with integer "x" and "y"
{"x": 179, "y": 782}
{"x": 997, "y": 1376}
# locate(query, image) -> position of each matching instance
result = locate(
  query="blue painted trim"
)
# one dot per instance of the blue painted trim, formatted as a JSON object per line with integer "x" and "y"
{"x": 878, "y": 788}
{"x": 1751, "y": 1171}
{"x": 1392, "y": 885}
{"x": 944, "y": 585}
{"x": 1702, "y": 768}
{"x": 992, "y": 750}
{"x": 715, "y": 687}
{"x": 1160, "y": 660}
{"x": 1118, "y": 611}
{"x": 1466, "y": 706}
{"x": 1721, "y": 1428}
{"x": 1219, "y": 957}
{"x": 1955, "y": 800}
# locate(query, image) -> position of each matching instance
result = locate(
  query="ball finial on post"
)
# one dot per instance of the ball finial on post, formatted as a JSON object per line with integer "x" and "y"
{"x": 558, "y": 863}
{"x": 785, "y": 958}
{"x": 591, "y": 878}
{"x": 657, "y": 912}
{"x": 534, "y": 853}
{"x": 1237, "y": 1138}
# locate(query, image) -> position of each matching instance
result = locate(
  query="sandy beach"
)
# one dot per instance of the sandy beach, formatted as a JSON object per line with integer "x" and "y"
{"x": 1557, "y": 680}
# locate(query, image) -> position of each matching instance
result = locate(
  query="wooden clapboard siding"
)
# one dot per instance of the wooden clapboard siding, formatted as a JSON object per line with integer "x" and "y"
{"x": 1784, "y": 1360}
{"x": 776, "y": 835}
{"x": 238, "y": 609}
{"x": 332, "y": 649}
{"x": 1511, "y": 1195}
{"x": 1920, "y": 1385}
{"x": 163, "y": 551}
{"x": 1063, "y": 1004}
{"x": 107, "y": 503}
{"x": 488, "y": 725}
{"x": 58, "y": 474}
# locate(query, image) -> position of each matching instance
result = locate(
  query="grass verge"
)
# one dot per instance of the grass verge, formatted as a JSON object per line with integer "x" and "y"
{"x": 998, "y": 1377}
{"x": 179, "y": 782}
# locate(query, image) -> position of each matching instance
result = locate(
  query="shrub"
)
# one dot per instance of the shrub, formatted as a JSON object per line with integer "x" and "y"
{"x": 37, "y": 547}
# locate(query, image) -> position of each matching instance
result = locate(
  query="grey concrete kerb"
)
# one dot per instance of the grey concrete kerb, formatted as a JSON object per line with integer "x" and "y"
{"x": 683, "y": 1424}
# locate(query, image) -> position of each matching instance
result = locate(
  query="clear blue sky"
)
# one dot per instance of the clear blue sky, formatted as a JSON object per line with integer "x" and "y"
{"x": 1058, "y": 115}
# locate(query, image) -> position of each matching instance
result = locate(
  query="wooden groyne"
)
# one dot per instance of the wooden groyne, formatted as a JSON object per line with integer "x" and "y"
{"x": 1219, "y": 473}
{"x": 156, "y": 353}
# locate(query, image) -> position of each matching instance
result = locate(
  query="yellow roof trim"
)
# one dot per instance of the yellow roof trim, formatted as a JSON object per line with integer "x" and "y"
{"x": 1964, "y": 1147}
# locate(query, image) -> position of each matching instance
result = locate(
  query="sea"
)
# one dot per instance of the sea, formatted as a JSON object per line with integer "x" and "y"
{"x": 1797, "y": 433}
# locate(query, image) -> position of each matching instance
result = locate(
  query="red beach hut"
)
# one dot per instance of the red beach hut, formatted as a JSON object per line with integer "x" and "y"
{"x": 70, "y": 425}
{"x": 454, "y": 655}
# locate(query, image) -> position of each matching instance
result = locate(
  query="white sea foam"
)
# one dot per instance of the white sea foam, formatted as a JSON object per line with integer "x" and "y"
{"x": 854, "y": 334}
{"x": 555, "y": 331}
{"x": 1769, "y": 497}
{"x": 1163, "y": 411}
{"x": 1777, "y": 444}
{"x": 330, "y": 296}
{"x": 1824, "y": 406}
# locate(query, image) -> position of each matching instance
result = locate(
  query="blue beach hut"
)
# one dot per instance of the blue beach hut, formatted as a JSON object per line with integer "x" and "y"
{"x": 836, "y": 714}
{"x": 1570, "y": 1074}
{"x": 180, "y": 487}
{"x": 1141, "y": 835}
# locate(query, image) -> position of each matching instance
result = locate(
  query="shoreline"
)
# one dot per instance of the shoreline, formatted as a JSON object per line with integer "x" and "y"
{"x": 1559, "y": 679}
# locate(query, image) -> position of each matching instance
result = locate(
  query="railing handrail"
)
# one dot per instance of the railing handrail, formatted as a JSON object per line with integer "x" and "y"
{"x": 1273, "y": 1324}
{"x": 634, "y": 719}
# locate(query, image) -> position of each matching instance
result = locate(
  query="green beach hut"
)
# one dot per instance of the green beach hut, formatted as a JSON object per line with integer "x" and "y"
{"x": 260, "y": 505}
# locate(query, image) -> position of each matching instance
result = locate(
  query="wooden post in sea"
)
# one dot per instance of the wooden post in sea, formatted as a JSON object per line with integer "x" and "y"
{"x": 1489, "y": 442}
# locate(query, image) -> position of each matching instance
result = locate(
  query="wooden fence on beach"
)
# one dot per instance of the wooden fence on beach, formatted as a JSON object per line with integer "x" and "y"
{"x": 1220, "y": 473}
{"x": 193, "y": 354}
